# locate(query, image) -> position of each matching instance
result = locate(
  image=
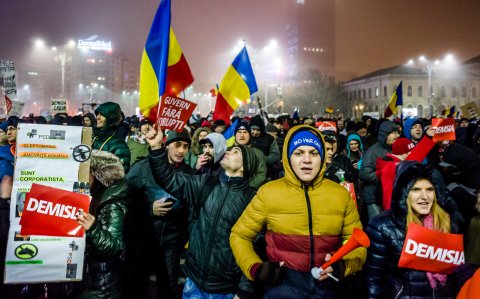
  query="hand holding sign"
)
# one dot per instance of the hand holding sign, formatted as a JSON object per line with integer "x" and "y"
{"x": 86, "y": 220}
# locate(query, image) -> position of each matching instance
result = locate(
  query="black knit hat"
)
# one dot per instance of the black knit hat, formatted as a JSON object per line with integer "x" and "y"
{"x": 242, "y": 126}
{"x": 173, "y": 136}
{"x": 250, "y": 161}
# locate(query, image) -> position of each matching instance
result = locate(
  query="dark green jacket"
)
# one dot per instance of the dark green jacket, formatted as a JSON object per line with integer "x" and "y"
{"x": 106, "y": 138}
{"x": 105, "y": 244}
{"x": 210, "y": 263}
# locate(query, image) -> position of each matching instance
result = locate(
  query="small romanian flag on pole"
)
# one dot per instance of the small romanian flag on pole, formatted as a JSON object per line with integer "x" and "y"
{"x": 395, "y": 101}
{"x": 214, "y": 91}
{"x": 329, "y": 109}
{"x": 236, "y": 87}
{"x": 164, "y": 69}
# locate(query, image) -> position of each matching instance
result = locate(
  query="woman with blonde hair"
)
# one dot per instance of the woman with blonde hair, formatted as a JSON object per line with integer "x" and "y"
{"x": 418, "y": 197}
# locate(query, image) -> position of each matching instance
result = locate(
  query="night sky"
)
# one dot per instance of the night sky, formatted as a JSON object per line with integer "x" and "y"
{"x": 370, "y": 34}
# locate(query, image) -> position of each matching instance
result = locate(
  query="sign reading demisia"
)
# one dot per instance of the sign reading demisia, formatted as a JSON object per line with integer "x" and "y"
{"x": 444, "y": 129}
{"x": 51, "y": 211}
{"x": 174, "y": 113}
{"x": 432, "y": 251}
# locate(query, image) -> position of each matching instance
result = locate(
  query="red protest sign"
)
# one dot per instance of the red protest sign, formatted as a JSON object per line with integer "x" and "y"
{"x": 50, "y": 211}
{"x": 433, "y": 251}
{"x": 327, "y": 126}
{"x": 444, "y": 129}
{"x": 174, "y": 113}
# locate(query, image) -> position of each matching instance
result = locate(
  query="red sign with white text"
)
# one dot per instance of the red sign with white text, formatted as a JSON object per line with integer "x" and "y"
{"x": 327, "y": 126}
{"x": 444, "y": 129}
{"x": 50, "y": 211}
{"x": 174, "y": 113}
{"x": 432, "y": 251}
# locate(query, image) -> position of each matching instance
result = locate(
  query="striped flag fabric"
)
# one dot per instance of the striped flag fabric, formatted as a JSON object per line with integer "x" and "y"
{"x": 214, "y": 91}
{"x": 237, "y": 85}
{"x": 8, "y": 104}
{"x": 229, "y": 133}
{"x": 395, "y": 101}
{"x": 164, "y": 69}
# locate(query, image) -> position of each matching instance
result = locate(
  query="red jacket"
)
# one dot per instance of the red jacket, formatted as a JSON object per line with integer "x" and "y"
{"x": 386, "y": 167}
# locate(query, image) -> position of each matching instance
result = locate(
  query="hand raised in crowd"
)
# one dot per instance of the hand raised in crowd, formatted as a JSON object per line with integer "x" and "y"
{"x": 6, "y": 186}
{"x": 154, "y": 138}
{"x": 329, "y": 270}
{"x": 161, "y": 207}
{"x": 202, "y": 160}
{"x": 430, "y": 132}
{"x": 86, "y": 220}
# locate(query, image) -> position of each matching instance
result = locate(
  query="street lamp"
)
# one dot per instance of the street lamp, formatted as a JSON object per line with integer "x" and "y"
{"x": 429, "y": 67}
{"x": 63, "y": 58}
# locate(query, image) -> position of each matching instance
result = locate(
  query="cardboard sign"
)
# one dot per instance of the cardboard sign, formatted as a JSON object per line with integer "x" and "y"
{"x": 432, "y": 251}
{"x": 444, "y": 129}
{"x": 174, "y": 113}
{"x": 470, "y": 110}
{"x": 16, "y": 108}
{"x": 50, "y": 211}
{"x": 58, "y": 106}
{"x": 327, "y": 126}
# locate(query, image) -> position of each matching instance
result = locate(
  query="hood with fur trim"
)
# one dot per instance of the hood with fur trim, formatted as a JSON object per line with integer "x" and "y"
{"x": 106, "y": 167}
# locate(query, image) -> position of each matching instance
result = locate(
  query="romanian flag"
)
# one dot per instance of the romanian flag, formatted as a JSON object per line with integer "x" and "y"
{"x": 164, "y": 69}
{"x": 237, "y": 86}
{"x": 395, "y": 101}
{"x": 329, "y": 109}
{"x": 229, "y": 133}
{"x": 214, "y": 91}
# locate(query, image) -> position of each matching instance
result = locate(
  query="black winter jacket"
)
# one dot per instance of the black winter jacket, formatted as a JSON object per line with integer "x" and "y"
{"x": 102, "y": 278}
{"x": 384, "y": 279}
{"x": 210, "y": 263}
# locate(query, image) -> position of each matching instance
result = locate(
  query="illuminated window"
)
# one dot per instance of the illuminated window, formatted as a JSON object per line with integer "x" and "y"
{"x": 301, "y": 2}
{"x": 91, "y": 60}
{"x": 377, "y": 92}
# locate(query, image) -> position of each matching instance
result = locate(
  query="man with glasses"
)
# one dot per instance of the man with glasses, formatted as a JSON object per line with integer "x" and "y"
{"x": 371, "y": 192}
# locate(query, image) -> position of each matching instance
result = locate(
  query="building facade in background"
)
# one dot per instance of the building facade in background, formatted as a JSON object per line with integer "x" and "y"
{"x": 93, "y": 73}
{"x": 310, "y": 36}
{"x": 453, "y": 87}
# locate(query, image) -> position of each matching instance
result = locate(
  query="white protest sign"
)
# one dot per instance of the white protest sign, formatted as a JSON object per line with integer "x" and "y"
{"x": 52, "y": 156}
{"x": 17, "y": 109}
{"x": 58, "y": 106}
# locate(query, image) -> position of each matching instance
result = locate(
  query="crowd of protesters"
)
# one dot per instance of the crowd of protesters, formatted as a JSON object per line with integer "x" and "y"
{"x": 250, "y": 220}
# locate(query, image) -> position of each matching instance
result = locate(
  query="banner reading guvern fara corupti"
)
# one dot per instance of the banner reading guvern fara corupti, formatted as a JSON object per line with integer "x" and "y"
{"x": 55, "y": 156}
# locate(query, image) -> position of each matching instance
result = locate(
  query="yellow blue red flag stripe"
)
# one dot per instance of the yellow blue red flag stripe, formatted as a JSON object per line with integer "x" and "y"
{"x": 395, "y": 101}
{"x": 164, "y": 68}
{"x": 236, "y": 87}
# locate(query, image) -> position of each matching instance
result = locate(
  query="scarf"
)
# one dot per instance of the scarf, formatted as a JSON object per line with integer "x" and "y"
{"x": 433, "y": 278}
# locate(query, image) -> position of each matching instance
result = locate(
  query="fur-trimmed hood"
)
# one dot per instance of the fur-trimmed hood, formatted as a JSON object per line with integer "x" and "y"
{"x": 106, "y": 167}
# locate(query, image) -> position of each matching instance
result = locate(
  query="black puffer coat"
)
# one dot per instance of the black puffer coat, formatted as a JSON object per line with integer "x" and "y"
{"x": 210, "y": 263}
{"x": 384, "y": 279}
{"x": 102, "y": 278}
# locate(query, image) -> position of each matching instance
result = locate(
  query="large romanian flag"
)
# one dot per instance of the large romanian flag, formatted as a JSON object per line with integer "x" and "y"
{"x": 236, "y": 87}
{"x": 395, "y": 101}
{"x": 164, "y": 69}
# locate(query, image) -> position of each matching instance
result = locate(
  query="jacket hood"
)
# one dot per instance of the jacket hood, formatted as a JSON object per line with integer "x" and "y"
{"x": 258, "y": 121}
{"x": 219, "y": 145}
{"x": 289, "y": 174}
{"x": 112, "y": 113}
{"x": 385, "y": 128}
{"x": 407, "y": 126}
{"x": 354, "y": 136}
{"x": 407, "y": 174}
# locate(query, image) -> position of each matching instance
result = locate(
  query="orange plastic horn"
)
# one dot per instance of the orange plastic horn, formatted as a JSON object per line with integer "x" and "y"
{"x": 358, "y": 239}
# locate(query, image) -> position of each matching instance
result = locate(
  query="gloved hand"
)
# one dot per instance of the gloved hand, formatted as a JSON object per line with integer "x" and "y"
{"x": 270, "y": 272}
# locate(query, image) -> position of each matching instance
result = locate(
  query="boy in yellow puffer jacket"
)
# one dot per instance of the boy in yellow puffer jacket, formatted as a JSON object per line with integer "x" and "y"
{"x": 307, "y": 218}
